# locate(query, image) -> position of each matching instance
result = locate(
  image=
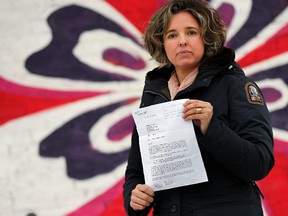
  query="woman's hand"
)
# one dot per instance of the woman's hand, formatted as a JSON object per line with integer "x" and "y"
{"x": 141, "y": 197}
{"x": 200, "y": 112}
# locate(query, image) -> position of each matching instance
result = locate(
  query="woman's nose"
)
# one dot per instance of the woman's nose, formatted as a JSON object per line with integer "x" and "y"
{"x": 182, "y": 41}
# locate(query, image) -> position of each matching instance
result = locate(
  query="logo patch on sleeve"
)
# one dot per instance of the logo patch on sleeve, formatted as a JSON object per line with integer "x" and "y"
{"x": 253, "y": 94}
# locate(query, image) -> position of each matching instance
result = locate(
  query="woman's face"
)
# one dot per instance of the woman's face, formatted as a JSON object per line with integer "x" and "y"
{"x": 183, "y": 44}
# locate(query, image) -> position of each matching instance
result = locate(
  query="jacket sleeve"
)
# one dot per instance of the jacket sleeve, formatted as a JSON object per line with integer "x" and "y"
{"x": 133, "y": 176}
{"x": 245, "y": 146}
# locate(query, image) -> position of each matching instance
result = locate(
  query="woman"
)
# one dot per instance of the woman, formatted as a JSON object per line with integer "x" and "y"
{"x": 228, "y": 110}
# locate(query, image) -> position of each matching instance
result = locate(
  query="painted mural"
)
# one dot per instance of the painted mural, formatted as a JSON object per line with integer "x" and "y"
{"x": 72, "y": 72}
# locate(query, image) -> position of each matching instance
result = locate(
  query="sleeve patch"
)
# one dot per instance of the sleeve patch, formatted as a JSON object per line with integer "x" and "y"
{"x": 253, "y": 94}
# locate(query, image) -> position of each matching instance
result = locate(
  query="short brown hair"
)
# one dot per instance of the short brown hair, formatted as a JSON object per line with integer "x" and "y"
{"x": 212, "y": 27}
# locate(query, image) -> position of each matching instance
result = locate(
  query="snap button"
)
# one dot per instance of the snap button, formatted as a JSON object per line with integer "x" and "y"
{"x": 173, "y": 208}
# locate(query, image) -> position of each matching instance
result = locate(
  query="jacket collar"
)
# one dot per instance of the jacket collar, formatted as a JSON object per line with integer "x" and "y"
{"x": 157, "y": 79}
{"x": 210, "y": 66}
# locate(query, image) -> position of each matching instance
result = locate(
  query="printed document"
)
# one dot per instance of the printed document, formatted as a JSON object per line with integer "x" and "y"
{"x": 168, "y": 145}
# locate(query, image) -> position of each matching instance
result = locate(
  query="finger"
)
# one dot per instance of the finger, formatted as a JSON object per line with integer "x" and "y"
{"x": 198, "y": 110}
{"x": 136, "y": 206}
{"x": 145, "y": 189}
{"x": 140, "y": 201}
{"x": 195, "y": 103}
{"x": 190, "y": 105}
{"x": 197, "y": 107}
{"x": 141, "y": 198}
{"x": 194, "y": 113}
{"x": 143, "y": 192}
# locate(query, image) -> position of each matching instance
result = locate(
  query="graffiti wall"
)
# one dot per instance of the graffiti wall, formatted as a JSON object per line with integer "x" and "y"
{"x": 71, "y": 72}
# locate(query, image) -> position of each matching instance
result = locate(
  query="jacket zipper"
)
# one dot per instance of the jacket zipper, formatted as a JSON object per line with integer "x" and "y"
{"x": 156, "y": 93}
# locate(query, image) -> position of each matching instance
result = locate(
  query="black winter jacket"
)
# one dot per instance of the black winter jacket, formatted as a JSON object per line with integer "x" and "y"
{"x": 237, "y": 148}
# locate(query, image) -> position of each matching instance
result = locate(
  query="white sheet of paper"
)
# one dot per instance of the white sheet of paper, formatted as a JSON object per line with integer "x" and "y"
{"x": 168, "y": 145}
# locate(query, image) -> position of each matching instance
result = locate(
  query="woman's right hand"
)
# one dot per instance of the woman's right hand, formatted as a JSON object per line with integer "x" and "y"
{"x": 141, "y": 197}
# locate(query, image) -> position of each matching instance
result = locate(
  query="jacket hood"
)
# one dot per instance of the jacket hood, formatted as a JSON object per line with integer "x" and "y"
{"x": 208, "y": 66}
{"x": 218, "y": 62}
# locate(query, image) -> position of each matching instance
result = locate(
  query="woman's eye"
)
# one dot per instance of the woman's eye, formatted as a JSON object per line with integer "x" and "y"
{"x": 192, "y": 33}
{"x": 170, "y": 36}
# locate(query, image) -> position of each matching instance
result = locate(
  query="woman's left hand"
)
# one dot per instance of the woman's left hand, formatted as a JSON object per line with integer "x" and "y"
{"x": 200, "y": 112}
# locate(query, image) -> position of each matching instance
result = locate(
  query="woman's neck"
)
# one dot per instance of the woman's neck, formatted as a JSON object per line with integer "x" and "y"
{"x": 182, "y": 74}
